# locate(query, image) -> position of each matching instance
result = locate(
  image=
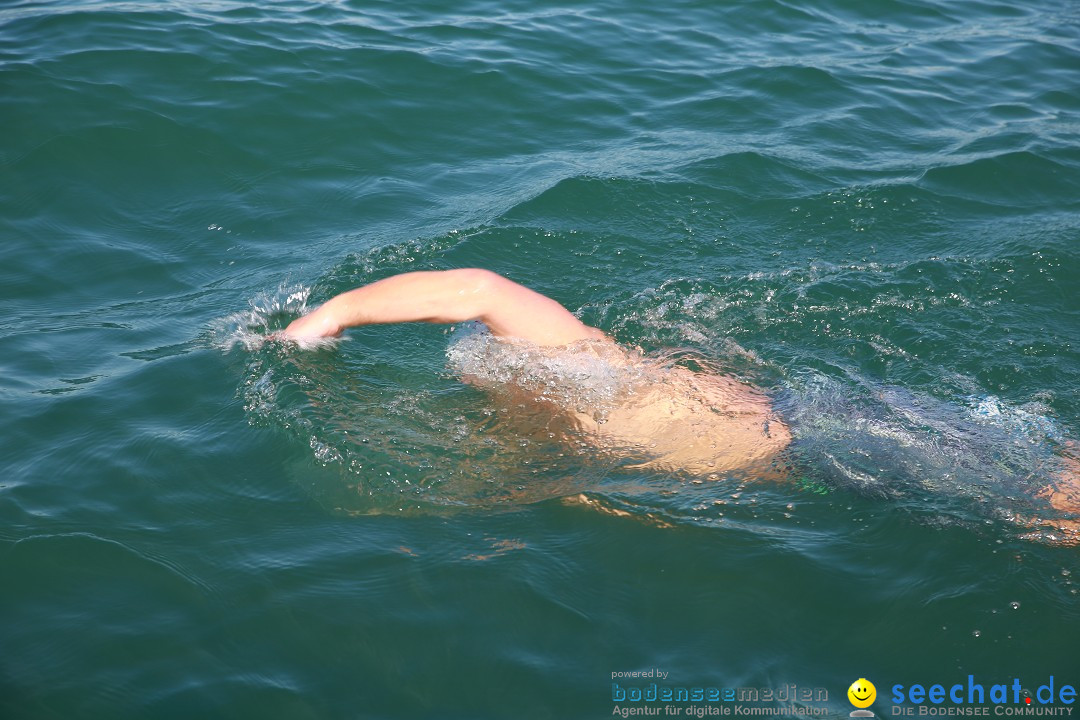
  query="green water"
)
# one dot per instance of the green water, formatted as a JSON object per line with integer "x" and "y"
{"x": 870, "y": 209}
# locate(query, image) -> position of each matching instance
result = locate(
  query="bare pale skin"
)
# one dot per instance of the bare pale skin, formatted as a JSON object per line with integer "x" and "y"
{"x": 694, "y": 423}
{"x": 450, "y": 296}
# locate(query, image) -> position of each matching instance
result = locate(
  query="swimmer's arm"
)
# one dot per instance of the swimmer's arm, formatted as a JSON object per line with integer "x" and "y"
{"x": 449, "y": 296}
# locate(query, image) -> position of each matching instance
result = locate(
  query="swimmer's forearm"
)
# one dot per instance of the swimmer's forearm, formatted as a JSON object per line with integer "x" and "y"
{"x": 441, "y": 297}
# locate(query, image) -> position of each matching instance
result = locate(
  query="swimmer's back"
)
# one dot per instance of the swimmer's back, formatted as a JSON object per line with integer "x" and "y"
{"x": 697, "y": 424}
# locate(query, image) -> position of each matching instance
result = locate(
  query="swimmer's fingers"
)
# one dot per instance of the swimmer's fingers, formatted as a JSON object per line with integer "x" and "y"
{"x": 317, "y": 324}
{"x": 304, "y": 343}
{"x": 280, "y": 336}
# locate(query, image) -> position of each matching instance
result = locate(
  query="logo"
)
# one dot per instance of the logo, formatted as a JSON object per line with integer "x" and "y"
{"x": 861, "y": 694}
{"x": 973, "y": 698}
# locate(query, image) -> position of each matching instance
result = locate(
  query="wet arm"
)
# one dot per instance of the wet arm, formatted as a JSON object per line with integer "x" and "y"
{"x": 450, "y": 296}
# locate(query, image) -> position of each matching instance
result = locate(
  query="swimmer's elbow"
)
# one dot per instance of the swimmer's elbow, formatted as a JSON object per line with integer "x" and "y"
{"x": 481, "y": 292}
{"x": 512, "y": 310}
{"x": 479, "y": 281}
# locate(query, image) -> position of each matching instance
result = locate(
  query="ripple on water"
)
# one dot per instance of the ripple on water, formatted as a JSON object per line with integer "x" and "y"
{"x": 394, "y": 441}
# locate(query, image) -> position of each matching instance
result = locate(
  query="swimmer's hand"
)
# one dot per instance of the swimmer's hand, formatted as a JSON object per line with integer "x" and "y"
{"x": 317, "y": 324}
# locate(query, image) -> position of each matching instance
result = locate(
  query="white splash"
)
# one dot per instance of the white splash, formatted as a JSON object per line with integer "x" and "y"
{"x": 265, "y": 318}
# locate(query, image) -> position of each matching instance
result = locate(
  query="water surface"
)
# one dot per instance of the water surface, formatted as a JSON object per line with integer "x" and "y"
{"x": 870, "y": 210}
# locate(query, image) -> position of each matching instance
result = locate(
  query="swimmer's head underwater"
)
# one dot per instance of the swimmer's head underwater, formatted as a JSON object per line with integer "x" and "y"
{"x": 696, "y": 423}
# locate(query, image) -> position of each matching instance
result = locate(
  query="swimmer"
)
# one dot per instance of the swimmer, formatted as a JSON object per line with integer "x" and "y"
{"x": 700, "y": 424}
{"x": 682, "y": 421}
{"x": 1064, "y": 496}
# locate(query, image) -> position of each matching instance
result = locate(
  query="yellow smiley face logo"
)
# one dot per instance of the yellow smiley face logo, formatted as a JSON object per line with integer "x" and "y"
{"x": 862, "y": 693}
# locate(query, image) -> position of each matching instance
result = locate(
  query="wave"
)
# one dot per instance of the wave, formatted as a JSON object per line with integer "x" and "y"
{"x": 391, "y": 428}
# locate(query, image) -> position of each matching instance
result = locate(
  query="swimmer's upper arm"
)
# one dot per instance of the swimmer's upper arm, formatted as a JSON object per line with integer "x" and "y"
{"x": 449, "y": 296}
{"x": 513, "y": 310}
